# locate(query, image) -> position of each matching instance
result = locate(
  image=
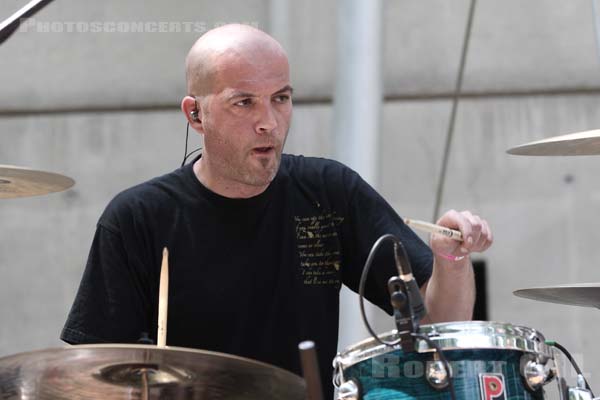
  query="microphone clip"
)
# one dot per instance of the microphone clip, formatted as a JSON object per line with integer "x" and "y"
{"x": 406, "y": 321}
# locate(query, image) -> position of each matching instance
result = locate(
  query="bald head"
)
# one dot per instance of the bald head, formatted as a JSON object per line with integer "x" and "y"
{"x": 225, "y": 47}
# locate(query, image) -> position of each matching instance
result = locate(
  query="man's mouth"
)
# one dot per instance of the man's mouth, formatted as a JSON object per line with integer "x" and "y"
{"x": 263, "y": 150}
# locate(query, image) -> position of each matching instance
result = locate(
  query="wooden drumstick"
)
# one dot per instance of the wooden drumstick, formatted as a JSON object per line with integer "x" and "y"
{"x": 163, "y": 300}
{"x": 433, "y": 228}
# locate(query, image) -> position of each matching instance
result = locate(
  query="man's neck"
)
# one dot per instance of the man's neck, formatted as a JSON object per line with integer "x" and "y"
{"x": 222, "y": 186}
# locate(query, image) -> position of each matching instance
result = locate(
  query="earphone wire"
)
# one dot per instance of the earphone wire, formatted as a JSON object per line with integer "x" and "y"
{"x": 185, "y": 153}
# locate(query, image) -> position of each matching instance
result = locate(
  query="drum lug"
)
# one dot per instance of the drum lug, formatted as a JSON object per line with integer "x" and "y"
{"x": 579, "y": 392}
{"x": 436, "y": 374}
{"x": 349, "y": 390}
{"x": 338, "y": 372}
{"x": 533, "y": 372}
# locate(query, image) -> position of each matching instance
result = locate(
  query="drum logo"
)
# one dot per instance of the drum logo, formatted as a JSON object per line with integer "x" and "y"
{"x": 492, "y": 386}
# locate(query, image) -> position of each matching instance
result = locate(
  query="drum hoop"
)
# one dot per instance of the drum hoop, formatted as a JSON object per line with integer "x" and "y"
{"x": 466, "y": 335}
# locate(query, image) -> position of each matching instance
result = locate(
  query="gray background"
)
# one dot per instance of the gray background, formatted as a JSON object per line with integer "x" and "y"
{"x": 102, "y": 108}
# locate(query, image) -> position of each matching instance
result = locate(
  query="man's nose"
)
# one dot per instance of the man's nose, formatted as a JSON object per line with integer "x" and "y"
{"x": 266, "y": 119}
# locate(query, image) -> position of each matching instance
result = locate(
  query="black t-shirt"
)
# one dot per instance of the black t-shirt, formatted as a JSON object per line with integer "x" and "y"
{"x": 251, "y": 277}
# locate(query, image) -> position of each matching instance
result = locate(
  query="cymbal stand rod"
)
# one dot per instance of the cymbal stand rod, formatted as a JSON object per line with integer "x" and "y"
{"x": 310, "y": 370}
{"x": 145, "y": 387}
{"x": 596, "y": 17}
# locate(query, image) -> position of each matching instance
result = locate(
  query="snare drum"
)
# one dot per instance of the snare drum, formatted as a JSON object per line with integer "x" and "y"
{"x": 487, "y": 360}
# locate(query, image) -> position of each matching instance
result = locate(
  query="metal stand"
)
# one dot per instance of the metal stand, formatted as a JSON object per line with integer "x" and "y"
{"x": 10, "y": 25}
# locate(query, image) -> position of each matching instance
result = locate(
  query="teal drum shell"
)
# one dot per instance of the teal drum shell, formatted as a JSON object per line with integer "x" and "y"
{"x": 477, "y": 351}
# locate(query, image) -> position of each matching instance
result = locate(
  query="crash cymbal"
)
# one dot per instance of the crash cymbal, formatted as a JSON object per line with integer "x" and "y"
{"x": 140, "y": 372}
{"x": 582, "y": 294}
{"x": 575, "y": 144}
{"x": 23, "y": 182}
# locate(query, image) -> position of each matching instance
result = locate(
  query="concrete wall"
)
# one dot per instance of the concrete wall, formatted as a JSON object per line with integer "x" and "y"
{"x": 102, "y": 108}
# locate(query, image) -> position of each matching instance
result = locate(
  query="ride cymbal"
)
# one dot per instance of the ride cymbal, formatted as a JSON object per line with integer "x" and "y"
{"x": 575, "y": 144}
{"x": 116, "y": 371}
{"x": 24, "y": 182}
{"x": 582, "y": 294}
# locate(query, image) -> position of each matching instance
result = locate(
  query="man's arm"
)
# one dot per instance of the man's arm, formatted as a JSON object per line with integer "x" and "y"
{"x": 111, "y": 304}
{"x": 449, "y": 294}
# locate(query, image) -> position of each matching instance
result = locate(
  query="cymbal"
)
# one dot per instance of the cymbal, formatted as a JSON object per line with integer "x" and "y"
{"x": 116, "y": 371}
{"x": 582, "y": 294}
{"x": 23, "y": 182}
{"x": 575, "y": 144}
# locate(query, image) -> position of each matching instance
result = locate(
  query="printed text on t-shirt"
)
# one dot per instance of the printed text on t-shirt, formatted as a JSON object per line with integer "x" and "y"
{"x": 319, "y": 249}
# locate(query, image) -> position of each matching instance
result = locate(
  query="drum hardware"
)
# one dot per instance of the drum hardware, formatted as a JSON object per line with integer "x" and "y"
{"x": 484, "y": 358}
{"x": 534, "y": 372}
{"x": 145, "y": 338}
{"x": 575, "y": 144}
{"x": 349, "y": 390}
{"x": 310, "y": 370}
{"x": 140, "y": 371}
{"x": 582, "y": 294}
{"x": 406, "y": 299}
{"x": 144, "y": 373}
{"x": 585, "y": 295}
{"x": 582, "y": 384}
{"x": 403, "y": 318}
{"x": 580, "y": 392}
{"x": 10, "y": 25}
{"x": 25, "y": 182}
{"x": 408, "y": 308}
{"x": 436, "y": 373}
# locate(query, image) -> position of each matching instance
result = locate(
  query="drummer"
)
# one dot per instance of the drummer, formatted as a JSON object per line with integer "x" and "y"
{"x": 260, "y": 242}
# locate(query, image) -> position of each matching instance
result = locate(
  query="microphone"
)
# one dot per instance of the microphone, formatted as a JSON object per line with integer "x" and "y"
{"x": 415, "y": 300}
{"x": 406, "y": 299}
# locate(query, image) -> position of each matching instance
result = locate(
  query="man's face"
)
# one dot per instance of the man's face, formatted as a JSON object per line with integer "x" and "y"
{"x": 246, "y": 119}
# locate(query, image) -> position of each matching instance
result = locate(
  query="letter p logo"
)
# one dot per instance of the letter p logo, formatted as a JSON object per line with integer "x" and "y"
{"x": 492, "y": 387}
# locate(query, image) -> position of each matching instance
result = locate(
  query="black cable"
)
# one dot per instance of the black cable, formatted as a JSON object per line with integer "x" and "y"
{"x": 450, "y": 132}
{"x": 572, "y": 360}
{"x": 361, "y": 295}
{"x": 444, "y": 361}
{"x": 187, "y": 134}
{"x": 361, "y": 289}
{"x": 185, "y": 153}
{"x": 190, "y": 154}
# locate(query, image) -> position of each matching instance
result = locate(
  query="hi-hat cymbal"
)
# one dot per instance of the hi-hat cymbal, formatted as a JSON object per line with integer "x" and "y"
{"x": 582, "y": 294}
{"x": 575, "y": 144}
{"x": 23, "y": 182}
{"x": 141, "y": 372}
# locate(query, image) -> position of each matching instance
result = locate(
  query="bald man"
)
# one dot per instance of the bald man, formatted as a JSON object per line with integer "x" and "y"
{"x": 260, "y": 243}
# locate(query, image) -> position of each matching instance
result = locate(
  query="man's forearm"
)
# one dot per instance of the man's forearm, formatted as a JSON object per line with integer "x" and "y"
{"x": 450, "y": 292}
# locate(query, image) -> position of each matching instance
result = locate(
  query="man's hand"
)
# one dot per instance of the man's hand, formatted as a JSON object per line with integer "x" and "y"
{"x": 477, "y": 236}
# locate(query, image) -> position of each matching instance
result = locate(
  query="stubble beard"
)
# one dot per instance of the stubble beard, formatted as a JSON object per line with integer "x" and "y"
{"x": 243, "y": 170}
{"x": 264, "y": 176}
{"x": 247, "y": 173}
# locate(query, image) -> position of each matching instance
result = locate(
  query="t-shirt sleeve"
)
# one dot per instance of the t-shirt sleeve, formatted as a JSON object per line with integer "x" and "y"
{"x": 368, "y": 218}
{"x": 111, "y": 304}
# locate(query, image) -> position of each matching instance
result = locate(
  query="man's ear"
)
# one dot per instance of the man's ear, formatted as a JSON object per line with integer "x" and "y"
{"x": 191, "y": 109}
